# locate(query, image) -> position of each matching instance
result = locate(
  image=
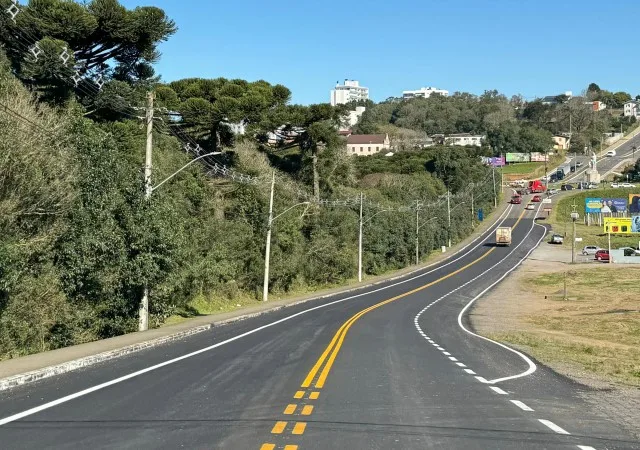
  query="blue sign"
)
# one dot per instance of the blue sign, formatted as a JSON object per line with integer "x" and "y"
{"x": 480, "y": 215}
{"x": 605, "y": 205}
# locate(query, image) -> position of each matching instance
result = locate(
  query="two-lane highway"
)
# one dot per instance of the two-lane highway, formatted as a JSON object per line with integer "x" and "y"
{"x": 391, "y": 366}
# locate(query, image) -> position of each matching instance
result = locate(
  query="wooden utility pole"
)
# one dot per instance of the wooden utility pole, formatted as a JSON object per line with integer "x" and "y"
{"x": 143, "y": 313}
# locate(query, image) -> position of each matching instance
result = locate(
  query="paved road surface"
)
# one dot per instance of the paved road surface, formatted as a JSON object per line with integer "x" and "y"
{"x": 388, "y": 368}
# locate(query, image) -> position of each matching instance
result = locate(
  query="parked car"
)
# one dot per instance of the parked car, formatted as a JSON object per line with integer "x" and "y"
{"x": 583, "y": 185}
{"x": 536, "y": 198}
{"x": 566, "y": 187}
{"x": 590, "y": 250}
{"x": 579, "y": 164}
{"x": 602, "y": 255}
{"x": 611, "y": 153}
{"x": 553, "y": 191}
{"x": 530, "y": 206}
{"x": 557, "y": 239}
{"x": 627, "y": 185}
{"x": 630, "y": 251}
{"x": 592, "y": 186}
{"x": 615, "y": 185}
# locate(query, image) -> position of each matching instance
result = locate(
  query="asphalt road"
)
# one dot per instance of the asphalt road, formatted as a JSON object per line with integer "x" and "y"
{"x": 605, "y": 164}
{"x": 396, "y": 366}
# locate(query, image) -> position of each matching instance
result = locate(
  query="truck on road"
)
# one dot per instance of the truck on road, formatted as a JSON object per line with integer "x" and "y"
{"x": 503, "y": 236}
{"x": 536, "y": 187}
{"x": 563, "y": 171}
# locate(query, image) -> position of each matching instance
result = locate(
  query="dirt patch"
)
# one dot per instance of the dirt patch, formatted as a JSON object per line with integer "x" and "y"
{"x": 588, "y": 331}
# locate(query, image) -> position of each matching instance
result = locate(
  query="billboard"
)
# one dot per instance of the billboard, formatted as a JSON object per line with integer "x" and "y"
{"x": 538, "y": 157}
{"x": 635, "y": 224}
{"x": 617, "y": 225}
{"x": 517, "y": 157}
{"x": 495, "y": 161}
{"x": 605, "y": 205}
{"x": 634, "y": 203}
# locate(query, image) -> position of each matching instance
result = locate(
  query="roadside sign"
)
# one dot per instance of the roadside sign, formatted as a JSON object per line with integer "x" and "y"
{"x": 480, "y": 215}
{"x": 547, "y": 209}
{"x": 578, "y": 239}
{"x": 546, "y": 200}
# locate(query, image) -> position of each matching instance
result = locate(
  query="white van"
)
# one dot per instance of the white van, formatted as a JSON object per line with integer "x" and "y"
{"x": 611, "y": 153}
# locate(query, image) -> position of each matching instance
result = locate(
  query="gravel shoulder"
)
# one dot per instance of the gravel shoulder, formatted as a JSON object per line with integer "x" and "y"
{"x": 591, "y": 335}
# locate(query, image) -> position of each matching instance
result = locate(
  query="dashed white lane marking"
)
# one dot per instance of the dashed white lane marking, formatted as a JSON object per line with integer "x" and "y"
{"x": 497, "y": 390}
{"x": 521, "y": 405}
{"x": 469, "y": 371}
{"x": 446, "y": 353}
{"x": 482, "y": 379}
{"x": 553, "y": 426}
{"x": 452, "y": 358}
{"x": 461, "y": 364}
{"x": 585, "y": 447}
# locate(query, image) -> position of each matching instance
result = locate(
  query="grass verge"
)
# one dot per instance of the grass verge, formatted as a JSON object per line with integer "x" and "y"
{"x": 597, "y": 330}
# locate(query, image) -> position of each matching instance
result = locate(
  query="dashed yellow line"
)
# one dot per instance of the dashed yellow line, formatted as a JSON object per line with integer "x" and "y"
{"x": 290, "y": 409}
{"x": 314, "y": 395}
{"x": 307, "y": 410}
{"x": 268, "y": 447}
{"x": 299, "y": 428}
{"x": 298, "y": 394}
{"x": 279, "y": 427}
{"x": 290, "y": 447}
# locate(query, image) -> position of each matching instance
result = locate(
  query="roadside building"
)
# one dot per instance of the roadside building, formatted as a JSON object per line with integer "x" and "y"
{"x": 424, "y": 92}
{"x": 464, "y": 139}
{"x": 632, "y": 109}
{"x": 352, "y": 118}
{"x": 596, "y": 105}
{"x": 367, "y": 144}
{"x": 561, "y": 142}
{"x": 348, "y": 92}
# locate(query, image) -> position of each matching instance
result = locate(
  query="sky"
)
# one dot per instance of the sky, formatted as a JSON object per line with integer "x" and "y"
{"x": 534, "y": 48}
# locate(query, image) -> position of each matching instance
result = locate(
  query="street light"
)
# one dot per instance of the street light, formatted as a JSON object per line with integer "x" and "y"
{"x": 267, "y": 251}
{"x": 143, "y": 313}
{"x": 362, "y": 223}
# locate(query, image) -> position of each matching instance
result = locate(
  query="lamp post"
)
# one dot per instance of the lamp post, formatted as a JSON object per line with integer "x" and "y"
{"x": 574, "y": 216}
{"x": 143, "y": 313}
{"x": 360, "y": 234}
{"x": 267, "y": 251}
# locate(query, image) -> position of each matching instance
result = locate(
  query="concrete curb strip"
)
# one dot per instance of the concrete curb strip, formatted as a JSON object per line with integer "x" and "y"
{"x": 68, "y": 366}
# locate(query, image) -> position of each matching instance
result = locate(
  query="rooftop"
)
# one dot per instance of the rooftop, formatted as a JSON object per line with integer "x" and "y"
{"x": 366, "y": 139}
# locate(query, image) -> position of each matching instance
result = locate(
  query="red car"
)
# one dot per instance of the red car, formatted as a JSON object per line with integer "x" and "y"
{"x": 516, "y": 199}
{"x": 602, "y": 255}
{"x": 536, "y": 198}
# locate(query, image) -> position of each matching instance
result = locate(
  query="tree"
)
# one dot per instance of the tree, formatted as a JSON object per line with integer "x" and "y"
{"x": 102, "y": 35}
{"x": 593, "y": 87}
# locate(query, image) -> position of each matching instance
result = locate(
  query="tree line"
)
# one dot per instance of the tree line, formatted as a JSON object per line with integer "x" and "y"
{"x": 78, "y": 239}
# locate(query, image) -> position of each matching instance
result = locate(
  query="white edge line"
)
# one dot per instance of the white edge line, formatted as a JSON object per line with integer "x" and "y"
{"x": 75, "y": 395}
{"x": 532, "y": 367}
{"x": 521, "y": 405}
{"x": 585, "y": 447}
{"x": 553, "y": 426}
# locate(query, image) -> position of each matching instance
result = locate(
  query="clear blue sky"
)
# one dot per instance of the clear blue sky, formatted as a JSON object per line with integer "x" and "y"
{"x": 534, "y": 48}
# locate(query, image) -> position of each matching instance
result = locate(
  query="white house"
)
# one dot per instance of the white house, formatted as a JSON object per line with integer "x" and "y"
{"x": 596, "y": 105}
{"x": 351, "y": 119}
{"x": 632, "y": 108}
{"x": 348, "y": 92}
{"x": 464, "y": 139}
{"x": 367, "y": 144}
{"x": 424, "y": 92}
{"x": 561, "y": 141}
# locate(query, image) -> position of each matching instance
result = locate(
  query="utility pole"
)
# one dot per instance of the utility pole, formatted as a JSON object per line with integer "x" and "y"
{"x": 495, "y": 195}
{"x": 574, "y": 217}
{"x": 143, "y": 311}
{"x": 449, "y": 212}
{"x": 472, "y": 210}
{"x": 360, "y": 242}
{"x": 417, "y": 230}
{"x": 267, "y": 251}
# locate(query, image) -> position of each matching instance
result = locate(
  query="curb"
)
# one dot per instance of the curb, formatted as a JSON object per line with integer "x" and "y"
{"x": 58, "y": 369}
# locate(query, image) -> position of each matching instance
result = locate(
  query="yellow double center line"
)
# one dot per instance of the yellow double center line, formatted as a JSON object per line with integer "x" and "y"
{"x": 331, "y": 352}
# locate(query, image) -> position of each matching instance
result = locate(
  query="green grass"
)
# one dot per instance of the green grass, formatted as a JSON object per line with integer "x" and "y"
{"x": 596, "y": 330}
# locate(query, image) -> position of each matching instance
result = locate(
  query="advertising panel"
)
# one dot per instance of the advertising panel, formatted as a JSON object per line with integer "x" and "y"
{"x": 635, "y": 224}
{"x": 605, "y": 205}
{"x": 538, "y": 157}
{"x": 634, "y": 203}
{"x": 617, "y": 225}
{"x": 495, "y": 161}
{"x": 517, "y": 157}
